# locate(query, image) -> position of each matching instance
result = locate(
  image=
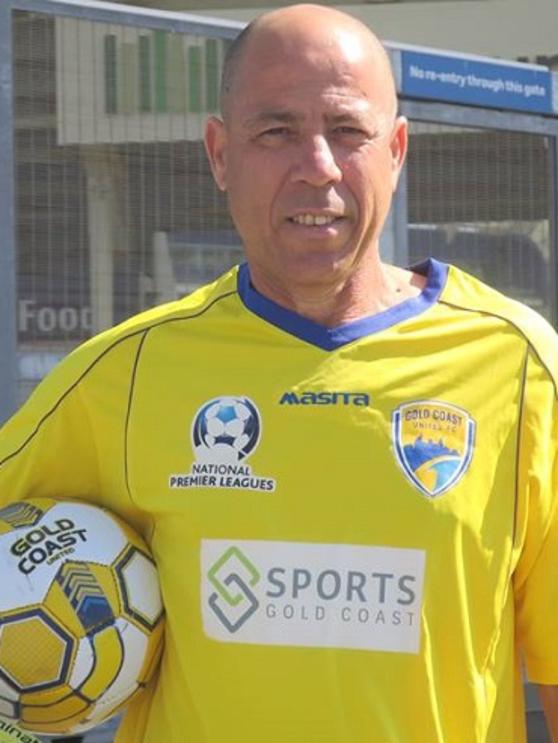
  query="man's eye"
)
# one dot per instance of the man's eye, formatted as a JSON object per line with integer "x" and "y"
{"x": 351, "y": 131}
{"x": 275, "y": 131}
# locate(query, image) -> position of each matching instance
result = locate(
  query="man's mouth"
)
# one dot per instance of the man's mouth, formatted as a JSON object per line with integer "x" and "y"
{"x": 313, "y": 220}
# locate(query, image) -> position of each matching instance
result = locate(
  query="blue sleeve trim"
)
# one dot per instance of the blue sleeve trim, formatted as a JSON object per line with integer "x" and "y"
{"x": 329, "y": 339}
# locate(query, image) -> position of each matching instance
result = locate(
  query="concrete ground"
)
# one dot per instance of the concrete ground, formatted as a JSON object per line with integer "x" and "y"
{"x": 536, "y": 728}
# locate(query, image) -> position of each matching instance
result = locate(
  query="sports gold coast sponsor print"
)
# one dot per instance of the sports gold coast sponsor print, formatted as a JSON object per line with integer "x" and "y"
{"x": 434, "y": 443}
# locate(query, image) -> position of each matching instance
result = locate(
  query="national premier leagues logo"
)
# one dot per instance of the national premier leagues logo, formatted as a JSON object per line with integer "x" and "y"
{"x": 226, "y": 429}
{"x": 434, "y": 443}
{"x": 224, "y": 433}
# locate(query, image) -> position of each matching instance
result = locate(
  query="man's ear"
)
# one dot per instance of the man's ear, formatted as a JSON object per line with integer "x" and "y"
{"x": 216, "y": 148}
{"x": 398, "y": 147}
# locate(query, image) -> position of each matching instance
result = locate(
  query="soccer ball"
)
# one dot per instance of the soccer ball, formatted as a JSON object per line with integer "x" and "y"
{"x": 81, "y": 616}
{"x": 226, "y": 430}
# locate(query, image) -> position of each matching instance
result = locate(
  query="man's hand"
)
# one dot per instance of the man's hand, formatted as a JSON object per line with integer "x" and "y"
{"x": 549, "y": 699}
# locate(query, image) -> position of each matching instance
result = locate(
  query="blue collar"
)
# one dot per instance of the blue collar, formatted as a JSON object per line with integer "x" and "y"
{"x": 331, "y": 338}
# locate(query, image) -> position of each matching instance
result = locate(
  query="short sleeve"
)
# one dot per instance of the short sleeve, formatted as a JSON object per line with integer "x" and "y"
{"x": 536, "y": 574}
{"x": 46, "y": 448}
{"x": 69, "y": 439}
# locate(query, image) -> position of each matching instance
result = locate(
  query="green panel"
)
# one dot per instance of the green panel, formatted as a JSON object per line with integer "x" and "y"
{"x": 177, "y": 74}
{"x": 194, "y": 79}
{"x": 211, "y": 75}
{"x": 227, "y": 43}
{"x": 160, "y": 71}
{"x": 144, "y": 49}
{"x": 130, "y": 86}
{"x": 111, "y": 88}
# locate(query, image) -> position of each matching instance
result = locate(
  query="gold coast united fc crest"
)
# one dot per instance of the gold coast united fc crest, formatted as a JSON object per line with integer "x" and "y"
{"x": 433, "y": 443}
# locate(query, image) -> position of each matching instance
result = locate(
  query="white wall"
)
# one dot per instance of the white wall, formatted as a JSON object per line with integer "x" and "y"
{"x": 500, "y": 28}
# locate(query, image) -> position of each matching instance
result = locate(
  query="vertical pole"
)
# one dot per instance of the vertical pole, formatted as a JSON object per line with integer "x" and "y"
{"x": 400, "y": 210}
{"x": 553, "y": 225}
{"x": 8, "y": 332}
{"x": 103, "y": 219}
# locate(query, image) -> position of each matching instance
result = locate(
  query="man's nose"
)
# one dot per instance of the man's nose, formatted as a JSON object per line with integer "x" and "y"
{"x": 316, "y": 163}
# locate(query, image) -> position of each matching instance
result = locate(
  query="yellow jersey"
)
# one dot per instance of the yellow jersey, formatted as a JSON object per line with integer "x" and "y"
{"x": 355, "y": 528}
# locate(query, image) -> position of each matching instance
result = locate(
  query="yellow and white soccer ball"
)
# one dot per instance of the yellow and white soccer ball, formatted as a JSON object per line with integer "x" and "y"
{"x": 81, "y": 616}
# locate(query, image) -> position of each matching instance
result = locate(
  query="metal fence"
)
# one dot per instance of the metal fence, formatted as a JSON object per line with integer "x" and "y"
{"x": 481, "y": 199}
{"x": 113, "y": 207}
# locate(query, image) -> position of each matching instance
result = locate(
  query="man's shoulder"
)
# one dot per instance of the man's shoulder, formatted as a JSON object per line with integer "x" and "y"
{"x": 115, "y": 350}
{"x": 193, "y": 305}
{"x": 470, "y": 294}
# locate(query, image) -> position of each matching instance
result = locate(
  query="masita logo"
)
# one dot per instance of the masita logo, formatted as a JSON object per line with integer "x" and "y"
{"x": 225, "y": 432}
{"x": 325, "y": 398}
{"x": 11, "y": 734}
{"x": 314, "y": 595}
{"x": 434, "y": 443}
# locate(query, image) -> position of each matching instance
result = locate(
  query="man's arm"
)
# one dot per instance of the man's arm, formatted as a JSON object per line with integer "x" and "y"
{"x": 549, "y": 698}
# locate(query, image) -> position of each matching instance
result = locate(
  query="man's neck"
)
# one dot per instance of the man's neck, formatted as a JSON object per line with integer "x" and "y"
{"x": 366, "y": 293}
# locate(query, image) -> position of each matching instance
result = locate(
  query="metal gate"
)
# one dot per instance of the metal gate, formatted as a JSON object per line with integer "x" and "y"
{"x": 481, "y": 194}
{"x": 107, "y": 202}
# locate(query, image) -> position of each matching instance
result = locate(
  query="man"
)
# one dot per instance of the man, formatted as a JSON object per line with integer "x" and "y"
{"x": 346, "y": 471}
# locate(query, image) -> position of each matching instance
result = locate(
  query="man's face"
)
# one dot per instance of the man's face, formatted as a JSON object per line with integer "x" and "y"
{"x": 309, "y": 154}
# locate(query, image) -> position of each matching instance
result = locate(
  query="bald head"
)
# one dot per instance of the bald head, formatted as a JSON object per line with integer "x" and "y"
{"x": 305, "y": 30}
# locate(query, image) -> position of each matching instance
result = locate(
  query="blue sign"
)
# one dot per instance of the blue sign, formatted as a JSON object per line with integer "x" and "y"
{"x": 473, "y": 81}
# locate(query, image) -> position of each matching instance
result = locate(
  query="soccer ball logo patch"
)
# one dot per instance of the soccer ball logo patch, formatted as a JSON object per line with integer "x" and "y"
{"x": 226, "y": 430}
